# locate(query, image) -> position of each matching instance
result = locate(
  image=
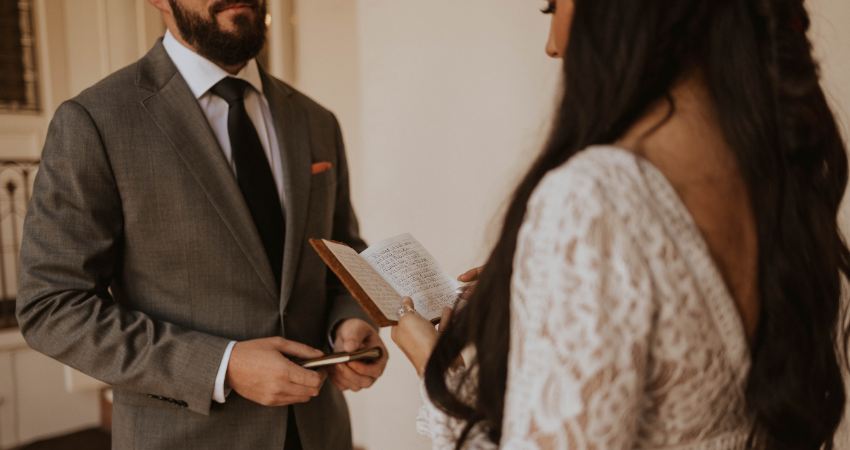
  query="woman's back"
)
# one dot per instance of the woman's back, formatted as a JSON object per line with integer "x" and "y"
{"x": 619, "y": 320}
{"x": 613, "y": 280}
{"x": 688, "y": 147}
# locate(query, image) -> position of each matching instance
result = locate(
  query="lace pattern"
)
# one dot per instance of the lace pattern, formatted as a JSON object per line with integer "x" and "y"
{"x": 623, "y": 334}
{"x": 443, "y": 430}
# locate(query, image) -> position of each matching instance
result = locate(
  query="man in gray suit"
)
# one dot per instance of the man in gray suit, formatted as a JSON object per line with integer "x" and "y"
{"x": 166, "y": 245}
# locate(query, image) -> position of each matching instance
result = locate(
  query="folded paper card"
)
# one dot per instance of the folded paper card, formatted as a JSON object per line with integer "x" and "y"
{"x": 388, "y": 271}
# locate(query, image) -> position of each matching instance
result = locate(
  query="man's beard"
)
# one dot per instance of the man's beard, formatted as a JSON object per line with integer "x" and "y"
{"x": 219, "y": 46}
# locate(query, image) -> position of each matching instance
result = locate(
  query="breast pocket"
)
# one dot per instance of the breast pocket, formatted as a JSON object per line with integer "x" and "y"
{"x": 322, "y": 204}
{"x": 322, "y": 180}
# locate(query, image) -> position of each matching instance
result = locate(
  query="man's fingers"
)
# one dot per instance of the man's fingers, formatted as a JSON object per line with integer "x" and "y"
{"x": 323, "y": 375}
{"x": 343, "y": 383}
{"x": 339, "y": 344}
{"x": 259, "y": 371}
{"x": 353, "y": 336}
{"x": 351, "y": 345}
{"x": 353, "y": 378}
{"x": 305, "y": 377}
{"x": 365, "y": 369}
{"x": 296, "y": 349}
{"x": 337, "y": 383}
{"x": 291, "y": 400}
{"x": 298, "y": 390}
{"x": 323, "y": 372}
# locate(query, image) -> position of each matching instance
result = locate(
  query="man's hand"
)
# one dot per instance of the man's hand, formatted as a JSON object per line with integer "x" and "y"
{"x": 260, "y": 371}
{"x": 470, "y": 277}
{"x": 353, "y": 335}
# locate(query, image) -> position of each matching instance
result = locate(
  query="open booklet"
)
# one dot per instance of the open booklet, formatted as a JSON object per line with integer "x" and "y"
{"x": 387, "y": 271}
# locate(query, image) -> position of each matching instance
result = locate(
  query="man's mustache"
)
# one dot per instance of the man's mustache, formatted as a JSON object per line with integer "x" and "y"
{"x": 224, "y": 4}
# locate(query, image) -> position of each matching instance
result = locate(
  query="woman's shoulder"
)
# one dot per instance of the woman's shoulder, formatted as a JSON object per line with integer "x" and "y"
{"x": 597, "y": 174}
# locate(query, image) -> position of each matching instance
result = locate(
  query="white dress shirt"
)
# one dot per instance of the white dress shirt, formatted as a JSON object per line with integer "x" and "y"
{"x": 201, "y": 75}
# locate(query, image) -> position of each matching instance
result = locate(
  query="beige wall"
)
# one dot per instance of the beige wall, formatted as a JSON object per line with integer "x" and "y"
{"x": 442, "y": 104}
{"x": 831, "y": 35}
{"x": 78, "y": 42}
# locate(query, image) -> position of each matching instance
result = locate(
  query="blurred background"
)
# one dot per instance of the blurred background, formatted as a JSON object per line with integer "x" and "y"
{"x": 443, "y": 104}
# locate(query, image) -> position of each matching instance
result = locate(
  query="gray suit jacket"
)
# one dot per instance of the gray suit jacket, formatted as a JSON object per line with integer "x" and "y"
{"x": 140, "y": 260}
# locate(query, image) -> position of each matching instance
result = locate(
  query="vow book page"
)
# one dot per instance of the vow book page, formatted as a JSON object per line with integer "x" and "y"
{"x": 381, "y": 293}
{"x": 411, "y": 270}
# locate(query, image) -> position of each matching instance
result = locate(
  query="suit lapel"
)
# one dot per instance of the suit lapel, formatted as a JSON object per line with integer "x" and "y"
{"x": 291, "y": 127}
{"x": 177, "y": 113}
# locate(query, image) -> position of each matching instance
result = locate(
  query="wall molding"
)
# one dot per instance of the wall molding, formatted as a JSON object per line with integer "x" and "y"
{"x": 12, "y": 340}
{"x": 21, "y": 142}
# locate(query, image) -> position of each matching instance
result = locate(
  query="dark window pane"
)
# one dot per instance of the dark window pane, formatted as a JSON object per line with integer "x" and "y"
{"x": 17, "y": 68}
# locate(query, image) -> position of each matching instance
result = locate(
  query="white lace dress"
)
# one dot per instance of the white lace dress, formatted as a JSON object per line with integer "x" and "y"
{"x": 623, "y": 334}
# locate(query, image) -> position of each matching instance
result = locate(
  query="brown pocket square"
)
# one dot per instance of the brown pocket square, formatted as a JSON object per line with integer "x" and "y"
{"x": 320, "y": 167}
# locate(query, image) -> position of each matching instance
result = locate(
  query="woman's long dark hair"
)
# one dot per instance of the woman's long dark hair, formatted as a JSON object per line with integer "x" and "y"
{"x": 623, "y": 56}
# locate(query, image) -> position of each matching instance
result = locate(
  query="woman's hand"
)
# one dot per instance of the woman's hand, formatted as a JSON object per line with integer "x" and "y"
{"x": 470, "y": 277}
{"x": 416, "y": 336}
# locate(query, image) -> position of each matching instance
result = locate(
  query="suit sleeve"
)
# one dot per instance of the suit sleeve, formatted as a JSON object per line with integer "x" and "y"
{"x": 71, "y": 251}
{"x": 345, "y": 229}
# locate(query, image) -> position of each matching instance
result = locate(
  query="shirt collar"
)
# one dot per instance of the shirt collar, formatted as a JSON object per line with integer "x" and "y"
{"x": 202, "y": 74}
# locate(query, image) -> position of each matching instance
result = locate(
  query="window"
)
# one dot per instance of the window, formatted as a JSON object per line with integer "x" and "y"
{"x": 18, "y": 79}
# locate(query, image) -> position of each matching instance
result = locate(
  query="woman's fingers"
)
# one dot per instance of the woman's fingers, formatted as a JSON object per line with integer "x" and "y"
{"x": 470, "y": 275}
{"x": 407, "y": 301}
{"x": 415, "y": 336}
{"x": 465, "y": 291}
{"x": 445, "y": 318}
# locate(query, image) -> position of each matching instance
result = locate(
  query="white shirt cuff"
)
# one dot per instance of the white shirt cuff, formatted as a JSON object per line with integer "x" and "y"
{"x": 220, "y": 393}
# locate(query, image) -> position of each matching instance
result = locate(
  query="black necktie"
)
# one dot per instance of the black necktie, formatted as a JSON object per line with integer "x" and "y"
{"x": 253, "y": 172}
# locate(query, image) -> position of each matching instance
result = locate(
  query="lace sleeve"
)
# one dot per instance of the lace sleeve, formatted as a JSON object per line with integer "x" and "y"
{"x": 443, "y": 430}
{"x": 581, "y": 317}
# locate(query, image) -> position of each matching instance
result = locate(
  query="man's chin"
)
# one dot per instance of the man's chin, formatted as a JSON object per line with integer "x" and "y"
{"x": 227, "y": 19}
{"x": 230, "y": 29}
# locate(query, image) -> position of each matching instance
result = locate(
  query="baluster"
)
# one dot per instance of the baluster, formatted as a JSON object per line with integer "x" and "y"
{"x": 17, "y": 175}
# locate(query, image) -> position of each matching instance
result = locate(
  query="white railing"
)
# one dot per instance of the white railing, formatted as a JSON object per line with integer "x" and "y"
{"x": 16, "y": 178}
